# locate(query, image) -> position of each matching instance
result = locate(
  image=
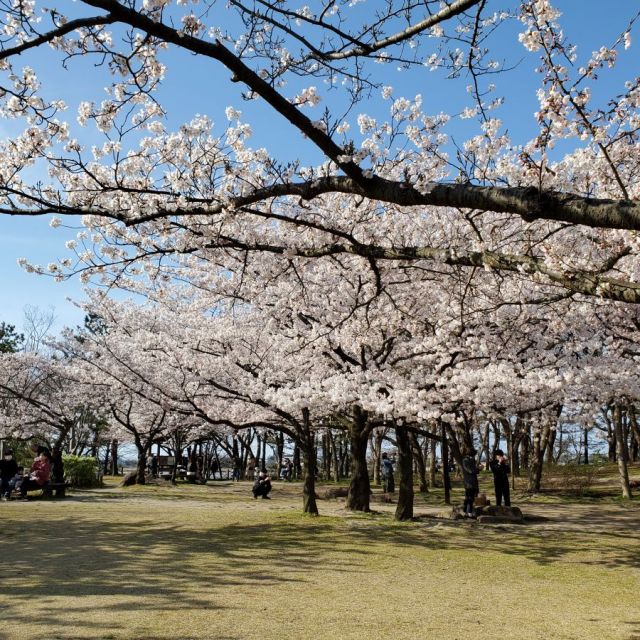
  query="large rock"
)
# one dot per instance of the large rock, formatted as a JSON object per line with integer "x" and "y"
{"x": 455, "y": 513}
{"x": 332, "y": 492}
{"x": 129, "y": 479}
{"x": 494, "y": 514}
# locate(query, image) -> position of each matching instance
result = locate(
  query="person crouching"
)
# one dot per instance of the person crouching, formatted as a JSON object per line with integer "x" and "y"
{"x": 262, "y": 485}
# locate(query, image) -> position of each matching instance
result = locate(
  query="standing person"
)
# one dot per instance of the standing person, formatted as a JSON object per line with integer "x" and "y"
{"x": 500, "y": 468}
{"x": 8, "y": 469}
{"x": 470, "y": 479}
{"x": 39, "y": 474}
{"x": 388, "y": 482}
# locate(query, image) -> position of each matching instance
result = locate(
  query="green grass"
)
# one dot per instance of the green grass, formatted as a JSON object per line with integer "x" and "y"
{"x": 210, "y": 562}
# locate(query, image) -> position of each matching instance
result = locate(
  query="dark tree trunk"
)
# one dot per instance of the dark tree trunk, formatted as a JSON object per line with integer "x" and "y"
{"x": 541, "y": 437}
{"x": 525, "y": 447}
{"x": 279, "y": 450}
{"x": 336, "y": 456}
{"x": 404, "y": 509}
{"x": 141, "y": 468}
{"x": 105, "y": 466}
{"x": 309, "y": 450}
{"x": 550, "y": 445}
{"x": 377, "y": 455}
{"x": 297, "y": 466}
{"x": 326, "y": 455}
{"x": 360, "y": 487}
{"x": 446, "y": 480}
{"x": 621, "y": 452}
{"x": 57, "y": 470}
{"x": 432, "y": 463}
{"x": 420, "y": 463}
{"x": 635, "y": 434}
{"x": 114, "y": 458}
{"x": 484, "y": 444}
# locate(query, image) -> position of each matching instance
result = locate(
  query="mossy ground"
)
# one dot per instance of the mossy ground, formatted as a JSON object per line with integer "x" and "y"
{"x": 160, "y": 562}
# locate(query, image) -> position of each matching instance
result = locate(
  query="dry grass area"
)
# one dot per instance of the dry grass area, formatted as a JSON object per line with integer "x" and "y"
{"x": 162, "y": 562}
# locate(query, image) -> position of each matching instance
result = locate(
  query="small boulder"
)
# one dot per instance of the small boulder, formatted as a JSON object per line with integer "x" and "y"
{"x": 129, "y": 479}
{"x": 331, "y": 493}
{"x": 499, "y": 515}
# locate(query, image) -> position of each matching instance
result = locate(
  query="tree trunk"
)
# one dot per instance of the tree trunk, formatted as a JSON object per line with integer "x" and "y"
{"x": 360, "y": 487}
{"x": 541, "y": 436}
{"x": 309, "y": 486}
{"x": 114, "y": 458}
{"x": 550, "y": 445}
{"x": 446, "y": 480}
{"x": 635, "y": 434}
{"x": 621, "y": 452}
{"x": 279, "y": 450}
{"x": 297, "y": 466}
{"x": 404, "y": 509}
{"x": 420, "y": 462}
{"x": 432, "y": 463}
{"x": 141, "y": 467}
{"x": 377, "y": 454}
{"x": 105, "y": 466}
{"x": 57, "y": 469}
{"x": 484, "y": 445}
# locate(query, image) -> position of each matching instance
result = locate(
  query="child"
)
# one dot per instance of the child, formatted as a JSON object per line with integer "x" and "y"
{"x": 14, "y": 483}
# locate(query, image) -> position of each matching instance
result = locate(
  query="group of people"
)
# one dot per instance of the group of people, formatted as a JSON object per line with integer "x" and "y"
{"x": 13, "y": 478}
{"x": 499, "y": 466}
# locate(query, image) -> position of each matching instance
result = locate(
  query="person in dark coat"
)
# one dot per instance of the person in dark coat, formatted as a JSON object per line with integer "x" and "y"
{"x": 262, "y": 485}
{"x": 8, "y": 469}
{"x": 388, "y": 482}
{"x": 500, "y": 468}
{"x": 470, "y": 479}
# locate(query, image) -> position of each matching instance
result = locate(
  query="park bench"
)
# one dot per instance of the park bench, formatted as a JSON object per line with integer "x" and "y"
{"x": 58, "y": 487}
{"x": 48, "y": 489}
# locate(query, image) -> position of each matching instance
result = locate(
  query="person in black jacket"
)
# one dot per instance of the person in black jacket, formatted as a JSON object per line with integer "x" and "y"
{"x": 470, "y": 479}
{"x": 8, "y": 469}
{"x": 500, "y": 468}
{"x": 262, "y": 485}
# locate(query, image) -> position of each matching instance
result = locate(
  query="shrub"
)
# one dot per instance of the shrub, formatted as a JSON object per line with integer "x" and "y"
{"x": 576, "y": 478}
{"x": 81, "y": 471}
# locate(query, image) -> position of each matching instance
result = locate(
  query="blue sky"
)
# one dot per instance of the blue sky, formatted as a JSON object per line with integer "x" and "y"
{"x": 194, "y": 86}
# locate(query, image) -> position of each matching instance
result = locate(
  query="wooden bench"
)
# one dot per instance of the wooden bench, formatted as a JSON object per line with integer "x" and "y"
{"x": 58, "y": 487}
{"x": 47, "y": 490}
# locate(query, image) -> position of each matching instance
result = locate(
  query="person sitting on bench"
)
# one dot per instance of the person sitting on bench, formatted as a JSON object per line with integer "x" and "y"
{"x": 39, "y": 474}
{"x": 262, "y": 485}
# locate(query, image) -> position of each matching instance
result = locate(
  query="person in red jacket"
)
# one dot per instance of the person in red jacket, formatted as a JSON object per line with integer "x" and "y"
{"x": 39, "y": 474}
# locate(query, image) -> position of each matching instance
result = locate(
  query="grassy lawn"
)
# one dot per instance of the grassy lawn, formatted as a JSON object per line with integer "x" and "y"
{"x": 210, "y": 562}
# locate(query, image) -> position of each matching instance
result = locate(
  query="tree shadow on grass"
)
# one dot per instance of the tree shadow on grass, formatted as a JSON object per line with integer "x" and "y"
{"x": 148, "y": 568}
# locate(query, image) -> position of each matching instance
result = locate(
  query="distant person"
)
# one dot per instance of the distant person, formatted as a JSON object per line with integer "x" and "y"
{"x": 470, "y": 480}
{"x": 262, "y": 485}
{"x": 388, "y": 482}
{"x": 39, "y": 473}
{"x": 499, "y": 465}
{"x": 154, "y": 466}
{"x": 8, "y": 469}
{"x": 236, "y": 473}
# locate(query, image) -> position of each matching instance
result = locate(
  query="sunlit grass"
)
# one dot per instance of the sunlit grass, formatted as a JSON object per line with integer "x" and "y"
{"x": 196, "y": 561}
